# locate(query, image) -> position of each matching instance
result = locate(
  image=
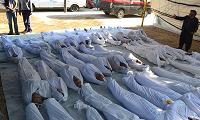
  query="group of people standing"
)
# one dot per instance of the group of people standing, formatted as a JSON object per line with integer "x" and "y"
{"x": 24, "y": 7}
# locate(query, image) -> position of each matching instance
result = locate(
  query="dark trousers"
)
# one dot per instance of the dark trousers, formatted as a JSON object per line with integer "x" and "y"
{"x": 185, "y": 38}
{"x": 26, "y": 18}
{"x": 187, "y": 45}
{"x": 12, "y": 16}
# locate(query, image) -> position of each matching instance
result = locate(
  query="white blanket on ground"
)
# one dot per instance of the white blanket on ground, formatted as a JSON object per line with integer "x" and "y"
{"x": 100, "y": 62}
{"x": 145, "y": 81}
{"x": 144, "y": 109}
{"x": 32, "y": 112}
{"x": 13, "y": 52}
{"x": 68, "y": 73}
{"x": 110, "y": 110}
{"x": 155, "y": 97}
{"x": 56, "y": 111}
{"x": 179, "y": 77}
{"x": 89, "y": 71}
{"x": 91, "y": 113}
{"x": 58, "y": 87}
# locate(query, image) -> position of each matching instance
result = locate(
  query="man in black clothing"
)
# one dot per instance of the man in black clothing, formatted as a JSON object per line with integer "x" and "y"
{"x": 189, "y": 27}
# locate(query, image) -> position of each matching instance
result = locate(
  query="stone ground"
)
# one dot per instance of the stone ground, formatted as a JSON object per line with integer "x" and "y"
{"x": 48, "y": 21}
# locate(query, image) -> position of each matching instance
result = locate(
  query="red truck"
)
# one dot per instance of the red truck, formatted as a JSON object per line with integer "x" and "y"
{"x": 120, "y": 8}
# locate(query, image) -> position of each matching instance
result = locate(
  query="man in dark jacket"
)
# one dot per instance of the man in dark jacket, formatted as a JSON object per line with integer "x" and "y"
{"x": 189, "y": 27}
{"x": 25, "y": 8}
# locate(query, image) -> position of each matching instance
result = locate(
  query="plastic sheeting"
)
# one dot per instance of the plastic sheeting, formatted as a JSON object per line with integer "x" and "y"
{"x": 68, "y": 73}
{"x": 58, "y": 87}
{"x": 32, "y": 112}
{"x": 144, "y": 81}
{"x": 110, "y": 110}
{"x": 91, "y": 113}
{"x": 155, "y": 97}
{"x": 13, "y": 52}
{"x": 56, "y": 111}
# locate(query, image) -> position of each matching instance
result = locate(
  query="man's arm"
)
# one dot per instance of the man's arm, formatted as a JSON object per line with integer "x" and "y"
{"x": 178, "y": 17}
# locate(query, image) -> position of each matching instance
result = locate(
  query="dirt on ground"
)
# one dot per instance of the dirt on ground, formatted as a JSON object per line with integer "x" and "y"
{"x": 38, "y": 25}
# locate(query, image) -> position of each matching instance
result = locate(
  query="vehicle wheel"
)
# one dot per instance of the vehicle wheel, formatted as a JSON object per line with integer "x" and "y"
{"x": 120, "y": 13}
{"x": 107, "y": 13}
{"x": 74, "y": 8}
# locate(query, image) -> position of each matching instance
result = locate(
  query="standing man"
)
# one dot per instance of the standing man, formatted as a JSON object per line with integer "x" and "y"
{"x": 25, "y": 8}
{"x": 11, "y": 13}
{"x": 189, "y": 27}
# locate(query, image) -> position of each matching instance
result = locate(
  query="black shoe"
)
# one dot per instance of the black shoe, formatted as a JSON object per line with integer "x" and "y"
{"x": 17, "y": 33}
{"x": 29, "y": 31}
{"x": 10, "y": 33}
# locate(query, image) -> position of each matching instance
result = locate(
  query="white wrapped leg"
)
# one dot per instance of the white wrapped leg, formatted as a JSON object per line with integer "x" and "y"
{"x": 192, "y": 101}
{"x": 89, "y": 71}
{"x": 58, "y": 87}
{"x": 195, "y": 70}
{"x": 144, "y": 81}
{"x": 109, "y": 109}
{"x": 136, "y": 104}
{"x": 71, "y": 75}
{"x": 91, "y": 113}
{"x": 56, "y": 111}
{"x": 179, "y": 77}
{"x": 26, "y": 71}
{"x": 32, "y": 112}
{"x": 155, "y": 97}
{"x": 100, "y": 62}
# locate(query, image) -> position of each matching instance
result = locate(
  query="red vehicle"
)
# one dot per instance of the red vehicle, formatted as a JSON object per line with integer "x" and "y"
{"x": 90, "y": 4}
{"x": 120, "y": 8}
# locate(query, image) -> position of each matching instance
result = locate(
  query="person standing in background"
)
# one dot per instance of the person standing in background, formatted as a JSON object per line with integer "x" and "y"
{"x": 189, "y": 27}
{"x": 25, "y": 8}
{"x": 11, "y": 13}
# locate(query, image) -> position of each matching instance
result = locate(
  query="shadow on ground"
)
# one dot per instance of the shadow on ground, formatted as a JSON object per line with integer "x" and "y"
{"x": 88, "y": 16}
